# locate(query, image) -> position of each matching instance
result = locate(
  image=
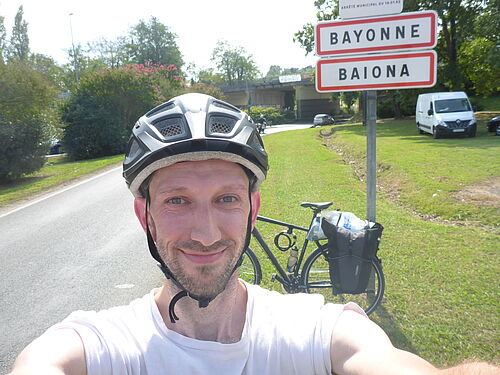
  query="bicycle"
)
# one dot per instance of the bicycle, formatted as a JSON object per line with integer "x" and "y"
{"x": 314, "y": 276}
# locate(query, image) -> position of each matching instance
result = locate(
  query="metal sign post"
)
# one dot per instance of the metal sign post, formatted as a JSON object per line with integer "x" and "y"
{"x": 350, "y": 60}
{"x": 371, "y": 154}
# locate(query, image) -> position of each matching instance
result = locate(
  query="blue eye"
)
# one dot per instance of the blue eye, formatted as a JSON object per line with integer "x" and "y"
{"x": 176, "y": 201}
{"x": 228, "y": 199}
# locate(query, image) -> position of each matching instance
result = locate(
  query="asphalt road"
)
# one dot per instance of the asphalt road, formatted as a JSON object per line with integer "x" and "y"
{"x": 77, "y": 248}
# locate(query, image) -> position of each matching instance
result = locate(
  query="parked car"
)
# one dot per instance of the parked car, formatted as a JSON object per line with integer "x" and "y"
{"x": 323, "y": 119}
{"x": 55, "y": 146}
{"x": 445, "y": 113}
{"x": 493, "y": 124}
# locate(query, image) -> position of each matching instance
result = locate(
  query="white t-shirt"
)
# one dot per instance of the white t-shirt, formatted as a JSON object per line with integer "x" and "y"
{"x": 283, "y": 334}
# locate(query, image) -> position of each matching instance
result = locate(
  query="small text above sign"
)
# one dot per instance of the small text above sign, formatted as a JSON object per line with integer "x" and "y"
{"x": 376, "y": 72}
{"x": 290, "y": 78}
{"x": 408, "y": 31}
{"x": 368, "y": 8}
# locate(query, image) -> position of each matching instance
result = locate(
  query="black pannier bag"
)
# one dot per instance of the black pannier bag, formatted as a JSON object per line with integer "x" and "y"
{"x": 349, "y": 256}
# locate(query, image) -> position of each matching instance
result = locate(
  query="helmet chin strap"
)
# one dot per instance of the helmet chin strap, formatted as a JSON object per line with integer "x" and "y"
{"x": 203, "y": 301}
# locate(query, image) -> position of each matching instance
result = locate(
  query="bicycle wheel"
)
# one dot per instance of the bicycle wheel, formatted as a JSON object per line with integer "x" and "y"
{"x": 316, "y": 279}
{"x": 250, "y": 270}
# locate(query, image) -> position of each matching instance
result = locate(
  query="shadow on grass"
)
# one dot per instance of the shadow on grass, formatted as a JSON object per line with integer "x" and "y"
{"x": 384, "y": 319}
{"x": 22, "y": 181}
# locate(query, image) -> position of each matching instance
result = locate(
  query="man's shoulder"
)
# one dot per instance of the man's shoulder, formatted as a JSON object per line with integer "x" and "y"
{"x": 133, "y": 316}
{"x": 266, "y": 295}
{"x": 272, "y": 305}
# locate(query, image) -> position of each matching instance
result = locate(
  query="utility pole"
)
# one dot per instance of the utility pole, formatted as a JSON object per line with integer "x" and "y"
{"x": 75, "y": 63}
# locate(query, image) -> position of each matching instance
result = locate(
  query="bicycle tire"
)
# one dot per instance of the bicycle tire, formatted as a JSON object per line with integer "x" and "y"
{"x": 316, "y": 279}
{"x": 250, "y": 270}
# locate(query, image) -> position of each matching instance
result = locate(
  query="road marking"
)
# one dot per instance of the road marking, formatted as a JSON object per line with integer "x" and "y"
{"x": 124, "y": 286}
{"x": 58, "y": 192}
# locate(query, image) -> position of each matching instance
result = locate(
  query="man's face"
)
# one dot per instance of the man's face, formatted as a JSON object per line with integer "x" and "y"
{"x": 198, "y": 217}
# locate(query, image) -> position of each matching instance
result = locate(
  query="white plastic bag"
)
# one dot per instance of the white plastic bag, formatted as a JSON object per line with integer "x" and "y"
{"x": 331, "y": 216}
{"x": 315, "y": 232}
{"x": 351, "y": 222}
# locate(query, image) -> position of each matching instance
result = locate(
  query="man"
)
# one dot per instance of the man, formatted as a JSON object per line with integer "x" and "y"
{"x": 194, "y": 165}
{"x": 261, "y": 124}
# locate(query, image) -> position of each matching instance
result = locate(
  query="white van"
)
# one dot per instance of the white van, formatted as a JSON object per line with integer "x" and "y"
{"x": 445, "y": 113}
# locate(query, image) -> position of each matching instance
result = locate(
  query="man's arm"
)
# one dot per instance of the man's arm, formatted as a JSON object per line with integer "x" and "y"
{"x": 361, "y": 347}
{"x": 57, "y": 352}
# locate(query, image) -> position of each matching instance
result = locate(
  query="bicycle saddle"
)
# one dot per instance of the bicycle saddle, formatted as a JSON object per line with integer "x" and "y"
{"x": 318, "y": 206}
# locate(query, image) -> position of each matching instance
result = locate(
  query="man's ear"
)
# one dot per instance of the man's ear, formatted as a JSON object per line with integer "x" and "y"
{"x": 255, "y": 205}
{"x": 140, "y": 213}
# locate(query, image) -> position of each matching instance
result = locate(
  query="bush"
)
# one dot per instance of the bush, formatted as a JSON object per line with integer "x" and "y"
{"x": 27, "y": 102}
{"x": 106, "y": 105}
{"x": 21, "y": 151}
{"x": 272, "y": 115}
{"x": 205, "y": 88}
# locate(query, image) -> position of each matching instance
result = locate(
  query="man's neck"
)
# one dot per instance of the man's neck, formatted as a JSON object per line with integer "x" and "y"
{"x": 221, "y": 321}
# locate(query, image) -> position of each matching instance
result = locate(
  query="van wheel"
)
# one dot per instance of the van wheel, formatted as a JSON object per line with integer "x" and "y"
{"x": 435, "y": 134}
{"x": 419, "y": 130}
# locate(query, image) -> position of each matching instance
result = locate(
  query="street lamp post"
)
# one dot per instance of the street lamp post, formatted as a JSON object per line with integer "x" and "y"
{"x": 74, "y": 51}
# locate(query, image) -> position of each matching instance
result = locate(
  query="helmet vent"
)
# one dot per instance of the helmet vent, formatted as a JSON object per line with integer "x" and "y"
{"x": 226, "y": 106}
{"x": 160, "y": 108}
{"x": 221, "y": 124}
{"x": 134, "y": 150}
{"x": 170, "y": 127}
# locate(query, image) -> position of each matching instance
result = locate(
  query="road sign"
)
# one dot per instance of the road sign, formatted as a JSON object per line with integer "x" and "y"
{"x": 408, "y": 31}
{"x": 376, "y": 72}
{"x": 368, "y": 8}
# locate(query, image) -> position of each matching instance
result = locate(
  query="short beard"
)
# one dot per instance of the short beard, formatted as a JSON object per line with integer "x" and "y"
{"x": 209, "y": 281}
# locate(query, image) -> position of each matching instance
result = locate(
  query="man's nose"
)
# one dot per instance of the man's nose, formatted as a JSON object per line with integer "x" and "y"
{"x": 205, "y": 227}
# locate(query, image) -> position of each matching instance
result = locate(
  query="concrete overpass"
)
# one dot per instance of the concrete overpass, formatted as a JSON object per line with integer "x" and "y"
{"x": 295, "y": 92}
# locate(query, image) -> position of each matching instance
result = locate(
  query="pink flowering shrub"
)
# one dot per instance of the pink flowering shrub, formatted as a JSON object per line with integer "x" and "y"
{"x": 106, "y": 104}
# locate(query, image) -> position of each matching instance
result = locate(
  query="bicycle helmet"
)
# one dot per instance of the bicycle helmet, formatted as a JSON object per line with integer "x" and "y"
{"x": 191, "y": 127}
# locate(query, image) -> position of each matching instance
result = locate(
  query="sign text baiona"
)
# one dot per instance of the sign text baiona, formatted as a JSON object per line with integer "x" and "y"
{"x": 376, "y": 72}
{"x": 408, "y": 31}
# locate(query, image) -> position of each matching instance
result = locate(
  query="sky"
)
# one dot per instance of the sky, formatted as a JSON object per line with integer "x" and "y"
{"x": 265, "y": 28}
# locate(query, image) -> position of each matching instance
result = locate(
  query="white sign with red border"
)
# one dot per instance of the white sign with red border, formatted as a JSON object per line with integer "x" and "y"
{"x": 406, "y": 31}
{"x": 367, "y": 8}
{"x": 402, "y": 70}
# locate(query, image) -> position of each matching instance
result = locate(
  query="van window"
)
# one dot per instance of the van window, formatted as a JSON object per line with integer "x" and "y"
{"x": 452, "y": 105}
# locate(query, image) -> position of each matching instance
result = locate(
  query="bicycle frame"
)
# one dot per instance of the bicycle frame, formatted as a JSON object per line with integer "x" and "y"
{"x": 288, "y": 280}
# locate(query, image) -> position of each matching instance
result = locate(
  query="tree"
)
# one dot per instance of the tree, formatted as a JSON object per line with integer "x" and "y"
{"x": 106, "y": 104}
{"x": 207, "y": 89}
{"x": 85, "y": 64}
{"x": 455, "y": 25}
{"x": 110, "y": 52}
{"x": 348, "y": 98}
{"x": 49, "y": 68}
{"x": 19, "y": 40}
{"x": 479, "y": 53}
{"x": 274, "y": 72}
{"x": 209, "y": 76}
{"x": 3, "y": 41}
{"x": 153, "y": 42}
{"x": 234, "y": 63}
{"x": 27, "y": 119}
{"x": 327, "y": 10}
{"x": 480, "y": 61}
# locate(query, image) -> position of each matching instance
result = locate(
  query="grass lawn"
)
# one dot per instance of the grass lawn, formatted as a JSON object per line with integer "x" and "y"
{"x": 439, "y": 253}
{"x": 57, "y": 171}
{"x": 435, "y": 198}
